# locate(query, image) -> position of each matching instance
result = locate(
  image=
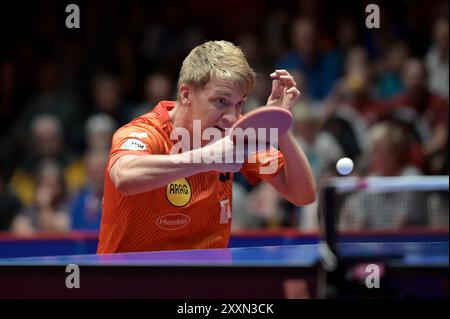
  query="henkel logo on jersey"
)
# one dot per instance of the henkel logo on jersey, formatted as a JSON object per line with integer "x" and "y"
{"x": 173, "y": 221}
{"x": 179, "y": 192}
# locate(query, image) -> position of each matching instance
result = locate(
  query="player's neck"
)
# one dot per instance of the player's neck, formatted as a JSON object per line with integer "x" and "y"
{"x": 180, "y": 117}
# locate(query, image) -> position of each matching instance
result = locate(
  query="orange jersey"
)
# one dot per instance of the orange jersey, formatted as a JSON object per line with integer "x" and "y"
{"x": 192, "y": 212}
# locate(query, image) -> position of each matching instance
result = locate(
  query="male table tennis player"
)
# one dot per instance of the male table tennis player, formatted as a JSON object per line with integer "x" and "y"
{"x": 153, "y": 200}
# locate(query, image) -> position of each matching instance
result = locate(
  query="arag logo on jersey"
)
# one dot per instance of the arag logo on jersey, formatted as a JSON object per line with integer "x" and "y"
{"x": 179, "y": 192}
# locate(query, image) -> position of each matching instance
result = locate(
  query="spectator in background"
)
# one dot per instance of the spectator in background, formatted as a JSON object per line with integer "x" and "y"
{"x": 389, "y": 151}
{"x": 52, "y": 97}
{"x": 436, "y": 59}
{"x": 257, "y": 97}
{"x": 350, "y": 107}
{"x": 267, "y": 209}
{"x": 306, "y": 129}
{"x": 98, "y": 132}
{"x": 319, "y": 68}
{"x": 248, "y": 43}
{"x": 317, "y": 147}
{"x": 107, "y": 98}
{"x": 418, "y": 104}
{"x": 354, "y": 91}
{"x": 157, "y": 87}
{"x": 127, "y": 65}
{"x": 302, "y": 82}
{"x": 99, "y": 129}
{"x": 387, "y": 156}
{"x": 11, "y": 100}
{"x": 49, "y": 211}
{"x": 275, "y": 23}
{"x": 10, "y": 205}
{"x": 390, "y": 83}
{"x": 85, "y": 210}
{"x": 46, "y": 141}
{"x": 346, "y": 37}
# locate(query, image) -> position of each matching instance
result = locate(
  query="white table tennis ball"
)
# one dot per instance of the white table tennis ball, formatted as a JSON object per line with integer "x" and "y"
{"x": 344, "y": 166}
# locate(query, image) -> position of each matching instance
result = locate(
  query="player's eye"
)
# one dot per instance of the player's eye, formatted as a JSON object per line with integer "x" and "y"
{"x": 221, "y": 102}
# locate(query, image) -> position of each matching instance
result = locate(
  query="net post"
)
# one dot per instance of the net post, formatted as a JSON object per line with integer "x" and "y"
{"x": 327, "y": 217}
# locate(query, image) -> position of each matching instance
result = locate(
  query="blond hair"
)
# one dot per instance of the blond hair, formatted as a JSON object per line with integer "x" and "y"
{"x": 217, "y": 60}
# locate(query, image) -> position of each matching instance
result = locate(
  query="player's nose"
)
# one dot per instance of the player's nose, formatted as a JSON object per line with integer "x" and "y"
{"x": 230, "y": 117}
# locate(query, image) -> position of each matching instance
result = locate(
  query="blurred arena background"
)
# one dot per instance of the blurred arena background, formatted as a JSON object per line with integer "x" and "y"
{"x": 378, "y": 96}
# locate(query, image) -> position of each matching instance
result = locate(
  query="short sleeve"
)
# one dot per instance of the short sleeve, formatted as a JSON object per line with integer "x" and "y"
{"x": 134, "y": 140}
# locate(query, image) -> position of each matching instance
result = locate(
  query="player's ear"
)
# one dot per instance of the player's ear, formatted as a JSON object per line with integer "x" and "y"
{"x": 185, "y": 94}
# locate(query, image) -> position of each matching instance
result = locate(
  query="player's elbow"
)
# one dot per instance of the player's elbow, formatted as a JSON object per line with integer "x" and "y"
{"x": 304, "y": 199}
{"x": 120, "y": 185}
{"x": 305, "y": 196}
{"x": 121, "y": 182}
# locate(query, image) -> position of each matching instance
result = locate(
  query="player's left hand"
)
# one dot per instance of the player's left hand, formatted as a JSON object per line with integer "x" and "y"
{"x": 284, "y": 90}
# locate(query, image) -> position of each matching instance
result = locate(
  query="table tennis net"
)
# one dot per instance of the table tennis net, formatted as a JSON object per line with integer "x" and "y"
{"x": 390, "y": 203}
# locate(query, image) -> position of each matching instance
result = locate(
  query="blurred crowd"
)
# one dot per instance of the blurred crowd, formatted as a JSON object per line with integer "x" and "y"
{"x": 378, "y": 96}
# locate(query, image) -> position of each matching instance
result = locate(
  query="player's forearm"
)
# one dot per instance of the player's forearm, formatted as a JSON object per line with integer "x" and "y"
{"x": 144, "y": 173}
{"x": 298, "y": 178}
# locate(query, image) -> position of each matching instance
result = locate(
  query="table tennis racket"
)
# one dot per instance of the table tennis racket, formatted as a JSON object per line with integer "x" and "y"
{"x": 265, "y": 118}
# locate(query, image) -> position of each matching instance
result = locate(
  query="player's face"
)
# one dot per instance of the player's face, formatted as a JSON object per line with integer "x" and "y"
{"x": 217, "y": 105}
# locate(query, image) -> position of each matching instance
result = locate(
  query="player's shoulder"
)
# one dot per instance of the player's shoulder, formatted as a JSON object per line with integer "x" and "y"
{"x": 154, "y": 120}
{"x": 137, "y": 128}
{"x": 137, "y": 136}
{"x": 144, "y": 132}
{"x": 142, "y": 126}
{"x": 151, "y": 129}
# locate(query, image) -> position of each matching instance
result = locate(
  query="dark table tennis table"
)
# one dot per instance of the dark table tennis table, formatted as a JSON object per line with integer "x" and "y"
{"x": 409, "y": 269}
